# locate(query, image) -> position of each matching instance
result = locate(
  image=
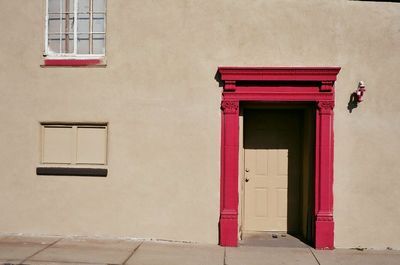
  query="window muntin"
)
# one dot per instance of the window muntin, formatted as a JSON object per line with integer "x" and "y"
{"x": 75, "y": 28}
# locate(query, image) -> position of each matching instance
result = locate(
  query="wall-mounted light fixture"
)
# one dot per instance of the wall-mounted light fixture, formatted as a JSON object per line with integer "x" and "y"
{"x": 356, "y": 97}
{"x": 360, "y": 91}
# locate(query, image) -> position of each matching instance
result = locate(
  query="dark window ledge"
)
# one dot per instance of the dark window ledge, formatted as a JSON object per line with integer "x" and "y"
{"x": 393, "y": 1}
{"x": 68, "y": 171}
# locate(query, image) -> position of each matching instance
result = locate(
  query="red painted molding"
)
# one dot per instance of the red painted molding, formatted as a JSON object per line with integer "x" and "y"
{"x": 291, "y": 87}
{"x": 279, "y": 73}
{"x": 230, "y": 106}
{"x": 326, "y": 107}
{"x": 326, "y": 85}
{"x": 71, "y": 62}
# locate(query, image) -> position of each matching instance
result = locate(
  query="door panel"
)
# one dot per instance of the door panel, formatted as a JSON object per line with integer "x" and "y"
{"x": 266, "y": 190}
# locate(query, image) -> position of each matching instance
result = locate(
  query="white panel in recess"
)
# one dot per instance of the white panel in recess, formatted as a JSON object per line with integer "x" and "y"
{"x": 91, "y": 145}
{"x": 57, "y": 145}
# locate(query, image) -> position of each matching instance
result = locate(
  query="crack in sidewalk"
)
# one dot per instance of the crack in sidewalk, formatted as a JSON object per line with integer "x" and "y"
{"x": 225, "y": 256}
{"x": 40, "y": 250}
{"x": 133, "y": 252}
{"x": 315, "y": 257}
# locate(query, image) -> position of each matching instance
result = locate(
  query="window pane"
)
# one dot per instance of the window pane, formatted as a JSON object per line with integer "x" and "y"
{"x": 54, "y": 6}
{"x": 68, "y": 18}
{"x": 67, "y": 45}
{"x": 54, "y": 24}
{"x": 83, "y": 44}
{"x": 68, "y": 6}
{"x": 83, "y": 5}
{"x": 99, "y": 5}
{"x": 83, "y": 23}
{"x": 98, "y": 23}
{"x": 98, "y": 43}
{"x": 54, "y": 44}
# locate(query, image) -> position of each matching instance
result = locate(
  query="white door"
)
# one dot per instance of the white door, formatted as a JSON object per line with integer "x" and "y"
{"x": 266, "y": 186}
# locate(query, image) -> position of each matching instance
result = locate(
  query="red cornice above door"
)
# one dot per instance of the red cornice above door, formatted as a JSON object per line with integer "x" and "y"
{"x": 278, "y": 73}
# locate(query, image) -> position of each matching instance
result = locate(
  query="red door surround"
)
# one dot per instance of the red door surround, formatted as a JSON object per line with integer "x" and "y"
{"x": 278, "y": 84}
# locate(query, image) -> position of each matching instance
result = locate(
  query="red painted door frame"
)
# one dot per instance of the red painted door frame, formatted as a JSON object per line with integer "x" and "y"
{"x": 278, "y": 84}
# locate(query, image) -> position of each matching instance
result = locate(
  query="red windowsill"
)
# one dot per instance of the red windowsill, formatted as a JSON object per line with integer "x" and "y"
{"x": 73, "y": 62}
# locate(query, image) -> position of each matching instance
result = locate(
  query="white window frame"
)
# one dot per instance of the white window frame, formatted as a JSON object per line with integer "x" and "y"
{"x": 75, "y": 54}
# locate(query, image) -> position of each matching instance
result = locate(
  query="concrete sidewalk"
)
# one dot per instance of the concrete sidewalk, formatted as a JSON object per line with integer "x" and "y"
{"x": 85, "y": 251}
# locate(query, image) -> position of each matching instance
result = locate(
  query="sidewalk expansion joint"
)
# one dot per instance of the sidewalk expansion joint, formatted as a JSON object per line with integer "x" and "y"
{"x": 315, "y": 257}
{"x": 133, "y": 252}
{"x": 225, "y": 256}
{"x": 40, "y": 250}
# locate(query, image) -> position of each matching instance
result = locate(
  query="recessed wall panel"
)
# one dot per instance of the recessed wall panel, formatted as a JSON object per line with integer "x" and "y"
{"x": 57, "y": 145}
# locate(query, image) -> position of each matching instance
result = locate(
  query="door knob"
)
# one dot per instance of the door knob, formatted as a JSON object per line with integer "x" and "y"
{"x": 246, "y": 179}
{"x": 247, "y": 170}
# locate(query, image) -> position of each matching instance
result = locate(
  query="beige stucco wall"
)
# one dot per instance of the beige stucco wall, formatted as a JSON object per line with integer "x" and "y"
{"x": 160, "y": 98}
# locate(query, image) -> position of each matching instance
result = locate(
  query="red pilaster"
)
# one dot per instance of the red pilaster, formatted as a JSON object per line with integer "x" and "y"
{"x": 324, "y": 224}
{"x": 229, "y": 174}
